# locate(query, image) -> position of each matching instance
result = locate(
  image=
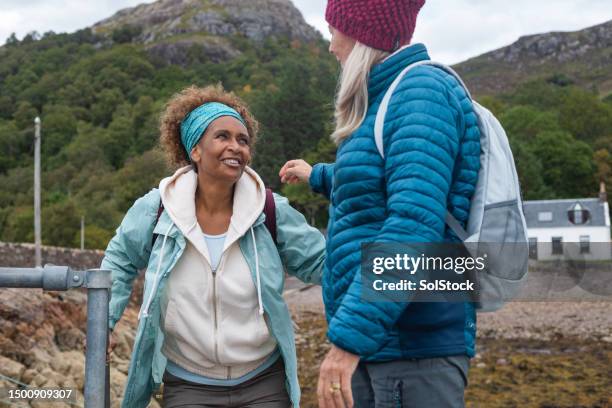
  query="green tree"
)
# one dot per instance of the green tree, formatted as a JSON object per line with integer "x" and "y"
{"x": 585, "y": 116}
{"x": 567, "y": 164}
{"x": 523, "y": 123}
{"x": 13, "y": 144}
{"x": 104, "y": 107}
{"x": 60, "y": 127}
{"x": 60, "y": 223}
{"x": 25, "y": 115}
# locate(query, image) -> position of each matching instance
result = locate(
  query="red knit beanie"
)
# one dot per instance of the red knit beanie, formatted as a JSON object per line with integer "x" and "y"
{"x": 381, "y": 24}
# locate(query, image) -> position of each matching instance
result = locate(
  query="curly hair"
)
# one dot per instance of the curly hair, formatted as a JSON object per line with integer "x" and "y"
{"x": 179, "y": 106}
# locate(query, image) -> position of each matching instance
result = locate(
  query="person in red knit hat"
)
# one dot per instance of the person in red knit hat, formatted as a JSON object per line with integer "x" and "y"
{"x": 390, "y": 354}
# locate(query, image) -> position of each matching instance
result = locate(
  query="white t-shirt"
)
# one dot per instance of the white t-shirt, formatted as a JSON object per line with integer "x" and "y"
{"x": 215, "y": 248}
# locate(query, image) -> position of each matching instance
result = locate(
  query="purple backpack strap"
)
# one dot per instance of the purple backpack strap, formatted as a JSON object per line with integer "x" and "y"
{"x": 270, "y": 212}
{"x": 160, "y": 210}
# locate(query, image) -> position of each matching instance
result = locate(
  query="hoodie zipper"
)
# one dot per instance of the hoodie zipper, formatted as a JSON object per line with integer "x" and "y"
{"x": 215, "y": 315}
{"x": 216, "y": 324}
{"x": 215, "y": 307}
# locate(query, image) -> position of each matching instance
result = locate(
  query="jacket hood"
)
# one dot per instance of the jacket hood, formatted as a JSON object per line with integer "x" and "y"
{"x": 178, "y": 197}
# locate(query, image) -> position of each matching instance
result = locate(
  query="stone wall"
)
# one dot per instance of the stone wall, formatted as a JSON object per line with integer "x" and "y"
{"x": 22, "y": 256}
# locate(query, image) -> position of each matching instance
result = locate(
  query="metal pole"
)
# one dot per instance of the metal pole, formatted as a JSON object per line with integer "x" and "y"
{"x": 37, "y": 238}
{"x": 98, "y": 285}
{"x": 47, "y": 278}
{"x": 82, "y": 233}
{"x": 21, "y": 278}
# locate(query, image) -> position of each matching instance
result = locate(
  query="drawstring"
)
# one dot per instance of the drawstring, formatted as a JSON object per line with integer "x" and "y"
{"x": 145, "y": 311}
{"x": 261, "y": 310}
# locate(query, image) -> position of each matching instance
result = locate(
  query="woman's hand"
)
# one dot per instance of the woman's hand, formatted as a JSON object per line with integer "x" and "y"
{"x": 334, "y": 388}
{"x": 295, "y": 171}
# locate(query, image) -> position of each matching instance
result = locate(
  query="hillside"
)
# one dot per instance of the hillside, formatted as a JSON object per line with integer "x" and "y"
{"x": 582, "y": 57}
{"x": 170, "y": 28}
{"x": 100, "y": 91}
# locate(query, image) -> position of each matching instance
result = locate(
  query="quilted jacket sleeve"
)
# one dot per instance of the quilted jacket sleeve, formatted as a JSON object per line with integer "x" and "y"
{"x": 321, "y": 178}
{"x": 129, "y": 251}
{"x": 422, "y": 132}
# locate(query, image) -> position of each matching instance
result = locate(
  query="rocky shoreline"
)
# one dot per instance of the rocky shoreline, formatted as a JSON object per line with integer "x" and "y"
{"x": 42, "y": 336}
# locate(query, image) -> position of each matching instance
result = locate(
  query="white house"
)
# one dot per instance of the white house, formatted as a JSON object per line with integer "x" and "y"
{"x": 569, "y": 228}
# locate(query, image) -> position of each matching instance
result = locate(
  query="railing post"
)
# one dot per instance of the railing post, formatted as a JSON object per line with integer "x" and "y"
{"x": 98, "y": 283}
{"x": 98, "y": 292}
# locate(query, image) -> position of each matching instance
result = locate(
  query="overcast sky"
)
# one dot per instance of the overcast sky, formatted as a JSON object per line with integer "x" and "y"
{"x": 454, "y": 30}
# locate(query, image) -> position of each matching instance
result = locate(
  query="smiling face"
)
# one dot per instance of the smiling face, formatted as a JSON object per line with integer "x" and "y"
{"x": 340, "y": 45}
{"x": 224, "y": 150}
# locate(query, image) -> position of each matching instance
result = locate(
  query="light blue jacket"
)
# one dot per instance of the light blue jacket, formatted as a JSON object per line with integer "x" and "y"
{"x": 300, "y": 251}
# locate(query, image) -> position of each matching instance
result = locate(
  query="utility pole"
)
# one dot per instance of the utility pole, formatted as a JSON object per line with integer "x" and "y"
{"x": 37, "y": 238}
{"x": 82, "y": 232}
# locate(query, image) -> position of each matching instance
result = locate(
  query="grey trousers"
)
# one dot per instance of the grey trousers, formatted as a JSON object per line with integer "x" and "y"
{"x": 421, "y": 383}
{"x": 267, "y": 390}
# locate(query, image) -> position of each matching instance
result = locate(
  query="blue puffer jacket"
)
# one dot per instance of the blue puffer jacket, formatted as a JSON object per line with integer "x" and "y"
{"x": 432, "y": 147}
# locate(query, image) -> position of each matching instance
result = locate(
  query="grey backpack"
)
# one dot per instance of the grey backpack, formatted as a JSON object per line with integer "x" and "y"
{"x": 496, "y": 225}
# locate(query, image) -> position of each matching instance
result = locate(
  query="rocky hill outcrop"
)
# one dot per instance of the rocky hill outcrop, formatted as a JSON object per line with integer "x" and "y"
{"x": 583, "y": 57}
{"x": 169, "y": 28}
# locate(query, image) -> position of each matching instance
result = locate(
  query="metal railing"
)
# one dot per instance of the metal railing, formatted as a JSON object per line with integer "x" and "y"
{"x": 98, "y": 283}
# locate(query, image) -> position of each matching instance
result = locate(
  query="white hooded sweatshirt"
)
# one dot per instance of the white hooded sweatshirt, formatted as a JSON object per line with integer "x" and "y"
{"x": 213, "y": 322}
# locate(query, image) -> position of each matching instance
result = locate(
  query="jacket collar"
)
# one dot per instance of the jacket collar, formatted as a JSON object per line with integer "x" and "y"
{"x": 384, "y": 73}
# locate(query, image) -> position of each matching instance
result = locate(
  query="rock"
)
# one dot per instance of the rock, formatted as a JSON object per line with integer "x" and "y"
{"x": 39, "y": 380}
{"x": 49, "y": 404}
{"x": 68, "y": 383}
{"x": 11, "y": 368}
{"x": 571, "y": 55}
{"x": 118, "y": 380}
{"x": 481, "y": 365}
{"x": 170, "y": 29}
{"x": 28, "y": 376}
{"x": 502, "y": 362}
{"x": 607, "y": 339}
{"x": 183, "y": 52}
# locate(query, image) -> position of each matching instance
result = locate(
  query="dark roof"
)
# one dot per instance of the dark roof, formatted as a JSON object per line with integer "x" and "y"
{"x": 559, "y": 209}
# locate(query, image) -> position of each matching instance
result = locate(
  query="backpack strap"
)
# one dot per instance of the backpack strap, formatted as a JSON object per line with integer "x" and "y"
{"x": 379, "y": 124}
{"x": 384, "y": 105}
{"x": 270, "y": 212}
{"x": 160, "y": 210}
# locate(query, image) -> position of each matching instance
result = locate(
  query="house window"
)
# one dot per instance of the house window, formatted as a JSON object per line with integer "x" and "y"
{"x": 578, "y": 215}
{"x": 533, "y": 248}
{"x": 545, "y": 216}
{"x": 585, "y": 244}
{"x": 557, "y": 245}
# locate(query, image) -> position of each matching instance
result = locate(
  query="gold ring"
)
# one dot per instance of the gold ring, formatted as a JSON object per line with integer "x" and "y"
{"x": 334, "y": 387}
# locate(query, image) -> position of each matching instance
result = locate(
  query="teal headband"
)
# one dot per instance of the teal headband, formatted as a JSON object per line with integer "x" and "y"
{"x": 195, "y": 124}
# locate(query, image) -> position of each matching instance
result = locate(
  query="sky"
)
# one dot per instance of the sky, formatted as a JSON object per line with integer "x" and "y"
{"x": 453, "y": 30}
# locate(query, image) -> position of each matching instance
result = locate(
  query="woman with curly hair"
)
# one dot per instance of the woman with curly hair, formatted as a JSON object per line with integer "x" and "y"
{"x": 213, "y": 326}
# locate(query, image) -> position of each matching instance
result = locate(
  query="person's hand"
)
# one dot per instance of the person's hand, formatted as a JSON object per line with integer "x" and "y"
{"x": 334, "y": 388}
{"x": 295, "y": 171}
